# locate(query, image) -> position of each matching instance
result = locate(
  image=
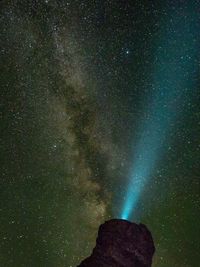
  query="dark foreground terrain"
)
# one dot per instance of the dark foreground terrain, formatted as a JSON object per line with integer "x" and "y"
{"x": 121, "y": 243}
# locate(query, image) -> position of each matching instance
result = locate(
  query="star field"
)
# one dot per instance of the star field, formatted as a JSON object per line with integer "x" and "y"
{"x": 79, "y": 95}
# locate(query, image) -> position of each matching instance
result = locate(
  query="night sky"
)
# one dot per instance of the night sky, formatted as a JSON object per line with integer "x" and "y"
{"x": 99, "y": 109}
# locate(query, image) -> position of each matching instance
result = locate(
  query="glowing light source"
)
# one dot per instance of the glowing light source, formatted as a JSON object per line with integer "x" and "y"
{"x": 175, "y": 66}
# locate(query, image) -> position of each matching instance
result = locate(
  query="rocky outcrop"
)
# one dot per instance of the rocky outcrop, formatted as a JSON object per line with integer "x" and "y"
{"x": 121, "y": 243}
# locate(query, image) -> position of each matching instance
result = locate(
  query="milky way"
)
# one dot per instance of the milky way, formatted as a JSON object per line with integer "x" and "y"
{"x": 77, "y": 78}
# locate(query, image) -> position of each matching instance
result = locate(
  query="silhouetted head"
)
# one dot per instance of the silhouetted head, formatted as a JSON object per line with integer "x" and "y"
{"x": 121, "y": 243}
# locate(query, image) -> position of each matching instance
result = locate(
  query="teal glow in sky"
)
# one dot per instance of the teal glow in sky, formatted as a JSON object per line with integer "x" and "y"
{"x": 175, "y": 61}
{"x": 99, "y": 109}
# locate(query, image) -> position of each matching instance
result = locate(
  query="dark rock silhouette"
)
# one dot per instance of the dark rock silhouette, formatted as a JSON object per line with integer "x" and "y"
{"x": 121, "y": 243}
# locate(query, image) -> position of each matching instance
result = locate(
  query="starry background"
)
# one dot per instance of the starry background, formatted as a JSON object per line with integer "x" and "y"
{"x": 76, "y": 77}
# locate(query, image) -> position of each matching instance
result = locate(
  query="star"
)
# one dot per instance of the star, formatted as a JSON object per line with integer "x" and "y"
{"x": 99, "y": 108}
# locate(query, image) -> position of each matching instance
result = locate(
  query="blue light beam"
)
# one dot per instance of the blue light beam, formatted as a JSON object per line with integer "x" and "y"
{"x": 176, "y": 62}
